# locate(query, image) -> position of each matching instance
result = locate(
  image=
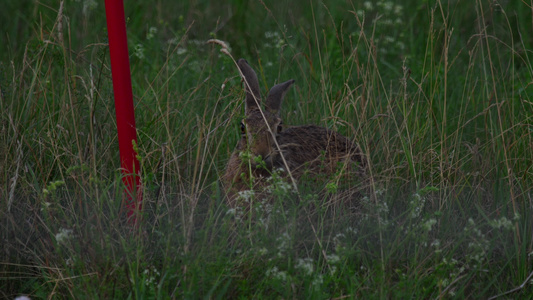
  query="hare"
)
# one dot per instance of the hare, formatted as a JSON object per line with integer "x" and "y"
{"x": 265, "y": 146}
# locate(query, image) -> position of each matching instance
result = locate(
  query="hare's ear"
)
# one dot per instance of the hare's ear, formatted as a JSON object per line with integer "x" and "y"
{"x": 251, "y": 83}
{"x": 275, "y": 96}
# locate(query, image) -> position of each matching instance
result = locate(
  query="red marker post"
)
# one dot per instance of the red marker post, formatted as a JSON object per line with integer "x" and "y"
{"x": 121, "y": 74}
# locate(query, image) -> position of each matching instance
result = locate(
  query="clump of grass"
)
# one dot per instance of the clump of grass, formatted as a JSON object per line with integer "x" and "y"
{"x": 445, "y": 121}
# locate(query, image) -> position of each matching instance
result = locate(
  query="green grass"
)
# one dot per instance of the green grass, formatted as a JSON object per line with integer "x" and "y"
{"x": 438, "y": 95}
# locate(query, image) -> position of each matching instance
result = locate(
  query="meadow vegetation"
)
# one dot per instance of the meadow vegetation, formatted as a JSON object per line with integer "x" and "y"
{"x": 438, "y": 94}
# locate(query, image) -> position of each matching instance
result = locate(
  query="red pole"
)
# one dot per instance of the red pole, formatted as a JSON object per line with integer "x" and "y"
{"x": 120, "y": 70}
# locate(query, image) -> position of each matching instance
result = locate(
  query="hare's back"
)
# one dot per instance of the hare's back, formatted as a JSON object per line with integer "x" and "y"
{"x": 313, "y": 145}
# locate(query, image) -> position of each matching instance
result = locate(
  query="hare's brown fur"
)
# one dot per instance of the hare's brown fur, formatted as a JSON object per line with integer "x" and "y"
{"x": 306, "y": 149}
{"x": 312, "y": 148}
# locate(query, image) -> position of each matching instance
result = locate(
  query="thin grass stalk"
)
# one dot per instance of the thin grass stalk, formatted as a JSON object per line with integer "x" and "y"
{"x": 494, "y": 94}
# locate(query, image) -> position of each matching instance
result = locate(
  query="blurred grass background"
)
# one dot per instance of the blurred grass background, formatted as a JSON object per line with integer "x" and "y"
{"x": 438, "y": 94}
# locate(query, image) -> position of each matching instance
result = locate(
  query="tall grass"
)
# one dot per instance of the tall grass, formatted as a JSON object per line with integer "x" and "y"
{"x": 437, "y": 94}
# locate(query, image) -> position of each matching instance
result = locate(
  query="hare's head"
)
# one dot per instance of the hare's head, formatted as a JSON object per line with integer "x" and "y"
{"x": 260, "y": 126}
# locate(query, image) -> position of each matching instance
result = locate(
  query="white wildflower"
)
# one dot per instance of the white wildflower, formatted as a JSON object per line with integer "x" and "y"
{"x": 351, "y": 230}
{"x": 276, "y": 273}
{"x": 138, "y": 51}
{"x": 69, "y": 262}
{"x": 337, "y": 239}
{"x": 333, "y": 258}
{"x": 317, "y": 281}
{"x": 63, "y": 235}
{"x": 151, "y": 275}
{"x": 173, "y": 41}
{"x": 246, "y": 195}
{"x": 284, "y": 242}
{"x": 263, "y": 251}
{"x": 503, "y": 222}
{"x": 151, "y": 33}
{"x": 306, "y": 265}
{"x": 398, "y": 9}
{"x": 428, "y": 225}
{"x": 387, "y": 6}
{"x": 272, "y": 35}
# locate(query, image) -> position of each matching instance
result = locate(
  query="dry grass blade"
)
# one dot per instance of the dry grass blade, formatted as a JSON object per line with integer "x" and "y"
{"x": 520, "y": 287}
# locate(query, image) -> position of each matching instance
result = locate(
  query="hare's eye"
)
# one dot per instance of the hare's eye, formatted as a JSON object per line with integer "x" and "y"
{"x": 243, "y": 128}
{"x": 280, "y": 127}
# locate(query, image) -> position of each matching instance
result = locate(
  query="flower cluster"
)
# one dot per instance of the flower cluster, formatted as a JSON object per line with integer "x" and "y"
{"x": 386, "y": 17}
